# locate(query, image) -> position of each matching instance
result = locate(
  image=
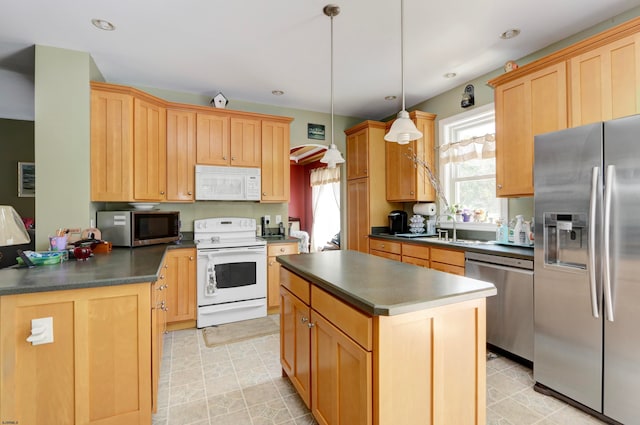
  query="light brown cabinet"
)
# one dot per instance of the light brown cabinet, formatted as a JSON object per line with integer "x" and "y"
{"x": 181, "y": 155}
{"x": 367, "y": 204}
{"x": 406, "y": 180}
{"x": 273, "y": 272}
{"x": 181, "y": 292}
{"x": 593, "y": 80}
{"x": 149, "y": 150}
{"x": 418, "y": 255}
{"x": 385, "y": 249}
{"x": 111, "y": 146}
{"x": 145, "y": 149}
{"x": 329, "y": 369}
{"x": 97, "y": 370}
{"x": 533, "y": 104}
{"x": 212, "y": 139}
{"x": 275, "y": 174}
{"x": 441, "y": 259}
{"x": 428, "y": 366}
{"x": 158, "y": 328}
{"x": 605, "y": 82}
{"x": 447, "y": 260}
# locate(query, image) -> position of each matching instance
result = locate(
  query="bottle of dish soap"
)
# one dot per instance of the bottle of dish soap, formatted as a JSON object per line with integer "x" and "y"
{"x": 519, "y": 231}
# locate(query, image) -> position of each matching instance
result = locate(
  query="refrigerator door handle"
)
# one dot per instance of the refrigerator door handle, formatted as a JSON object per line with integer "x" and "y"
{"x": 608, "y": 302}
{"x": 592, "y": 242}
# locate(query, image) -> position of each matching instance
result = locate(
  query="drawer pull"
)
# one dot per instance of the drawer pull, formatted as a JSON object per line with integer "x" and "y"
{"x": 304, "y": 319}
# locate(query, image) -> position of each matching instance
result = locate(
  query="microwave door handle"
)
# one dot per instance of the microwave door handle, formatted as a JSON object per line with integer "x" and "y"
{"x": 591, "y": 247}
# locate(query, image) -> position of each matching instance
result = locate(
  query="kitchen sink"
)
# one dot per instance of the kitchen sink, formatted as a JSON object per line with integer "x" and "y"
{"x": 434, "y": 239}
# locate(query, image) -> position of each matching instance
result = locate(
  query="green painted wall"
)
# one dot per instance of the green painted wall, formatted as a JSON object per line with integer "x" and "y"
{"x": 16, "y": 145}
{"x": 61, "y": 140}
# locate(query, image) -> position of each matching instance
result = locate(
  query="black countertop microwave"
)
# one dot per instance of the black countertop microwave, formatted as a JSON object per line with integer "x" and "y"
{"x": 139, "y": 228}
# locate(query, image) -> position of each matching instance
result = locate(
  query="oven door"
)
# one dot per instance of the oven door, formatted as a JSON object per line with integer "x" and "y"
{"x": 231, "y": 274}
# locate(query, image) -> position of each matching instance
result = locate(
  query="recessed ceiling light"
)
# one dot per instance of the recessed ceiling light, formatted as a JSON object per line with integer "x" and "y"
{"x": 277, "y": 92}
{"x": 511, "y": 33}
{"x": 390, "y": 98}
{"x": 450, "y": 75}
{"x": 103, "y": 25}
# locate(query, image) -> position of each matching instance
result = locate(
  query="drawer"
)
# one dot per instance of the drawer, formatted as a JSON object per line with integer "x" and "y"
{"x": 415, "y": 261}
{"x": 384, "y": 254}
{"x": 275, "y": 249}
{"x": 448, "y": 268}
{"x": 447, "y": 256}
{"x": 416, "y": 251}
{"x": 295, "y": 284}
{"x": 385, "y": 246}
{"x": 357, "y": 325}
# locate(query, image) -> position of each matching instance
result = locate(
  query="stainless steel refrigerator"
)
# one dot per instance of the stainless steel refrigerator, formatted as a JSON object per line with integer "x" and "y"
{"x": 587, "y": 266}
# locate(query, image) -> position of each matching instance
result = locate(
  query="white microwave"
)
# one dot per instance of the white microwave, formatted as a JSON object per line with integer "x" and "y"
{"x": 214, "y": 183}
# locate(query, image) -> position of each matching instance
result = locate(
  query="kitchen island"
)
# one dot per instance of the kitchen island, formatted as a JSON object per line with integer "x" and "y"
{"x": 366, "y": 340}
{"x": 102, "y": 366}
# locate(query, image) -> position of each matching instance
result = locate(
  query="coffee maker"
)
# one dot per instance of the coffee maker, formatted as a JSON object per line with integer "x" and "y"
{"x": 398, "y": 222}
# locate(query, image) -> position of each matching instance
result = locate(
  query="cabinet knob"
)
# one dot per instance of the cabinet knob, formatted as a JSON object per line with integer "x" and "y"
{"x": 166, "y": 266}
{"x": 411, "y": 192}
{"x": 189, "y": 193}
{"x": 161, "y": 277}
{"x": 499, "y": 186}
{"x": 191, "y": 258}
{"x": 233, "y": 158}
{"x": 311, "y": 324}
{"x": 282, "y": 249}
{"x": 304, "y": 319}
{"x": 271, "y": 263}
{"x": 264, "y": 193}
{"x": 382, "y": 246}
{"x": 224, "y": 157}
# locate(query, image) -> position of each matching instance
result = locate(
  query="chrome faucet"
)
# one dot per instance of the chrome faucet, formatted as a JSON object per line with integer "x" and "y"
{"x": 446, "y": 232}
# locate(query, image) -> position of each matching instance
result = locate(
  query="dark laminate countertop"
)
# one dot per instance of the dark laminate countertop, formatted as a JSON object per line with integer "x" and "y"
{"x": 485, "y": 248}
{"x": 120, "y": 266}
{"x": 383, "y": 287}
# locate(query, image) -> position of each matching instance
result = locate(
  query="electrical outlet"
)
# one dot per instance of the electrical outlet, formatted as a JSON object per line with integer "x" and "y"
{"x": 267, "y": 219}
{"x": 278, "y": 219}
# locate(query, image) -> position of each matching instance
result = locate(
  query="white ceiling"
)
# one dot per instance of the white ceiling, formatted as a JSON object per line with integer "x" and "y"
{"x": 247, "y": 48}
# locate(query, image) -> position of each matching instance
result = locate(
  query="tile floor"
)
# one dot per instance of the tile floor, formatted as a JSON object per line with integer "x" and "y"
{"x": 241, "y": 384}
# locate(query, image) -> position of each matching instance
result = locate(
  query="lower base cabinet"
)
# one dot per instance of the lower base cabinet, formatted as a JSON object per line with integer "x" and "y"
{"x": 273, "y": 272}
{"x": 97, "y": 369}
{"x": 428, "y": 366}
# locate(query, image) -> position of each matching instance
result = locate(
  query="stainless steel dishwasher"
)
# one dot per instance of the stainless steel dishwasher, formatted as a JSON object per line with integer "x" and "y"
{"x": 510, "y": 312}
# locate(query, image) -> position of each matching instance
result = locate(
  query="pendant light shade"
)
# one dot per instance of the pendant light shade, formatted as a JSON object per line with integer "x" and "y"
{"x": 403, "y": 129}
{"x": 332, "y": 156}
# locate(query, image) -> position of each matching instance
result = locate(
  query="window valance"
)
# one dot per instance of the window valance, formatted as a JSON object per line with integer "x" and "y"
{"x": 481, "y": 147}
{"x": 320, "y": 176}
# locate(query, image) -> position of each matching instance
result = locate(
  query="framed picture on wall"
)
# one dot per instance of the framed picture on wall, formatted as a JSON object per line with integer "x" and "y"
{"x": 315, "y": 131}
{"x": 26, "y": 179}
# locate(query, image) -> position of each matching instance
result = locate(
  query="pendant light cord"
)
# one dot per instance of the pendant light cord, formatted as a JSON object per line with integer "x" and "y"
{"x": 401, "y": 48}
{"x": 332, "y": 143}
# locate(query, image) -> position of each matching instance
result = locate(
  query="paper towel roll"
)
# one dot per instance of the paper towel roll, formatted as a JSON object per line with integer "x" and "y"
{"x": 425, "y": 209}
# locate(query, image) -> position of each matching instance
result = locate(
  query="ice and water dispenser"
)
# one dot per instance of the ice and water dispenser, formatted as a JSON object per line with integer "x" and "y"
{"x": 565, "y": 240}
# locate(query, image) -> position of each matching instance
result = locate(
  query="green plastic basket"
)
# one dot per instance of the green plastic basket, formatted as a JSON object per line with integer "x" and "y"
{"x": 43, "y": 258}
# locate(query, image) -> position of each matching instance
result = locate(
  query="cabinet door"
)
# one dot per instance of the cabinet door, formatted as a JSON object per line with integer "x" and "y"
{"x": 245, "y": 142}
{"x": 275, "y": 174}
{"x": 358, "y": 154}
{"x": 97, "y": 368}
{"x": 358, "y": 215}
{"x": 273, "y": 271}
{"x": 295, "y": 343}
{"x": 181, "y": 155}
{"x": 181, "y": 282}
{"x": 401, "y": 172}
{"x": 533, "y": 104}
{"x": 149, "y": 151}
{"x": 158, "y": 324}
{"x": 605, "y": 82}
{"x": 212, "y": 140}
{"x": 111, "y": 146}
{"x": 341, "y": 376}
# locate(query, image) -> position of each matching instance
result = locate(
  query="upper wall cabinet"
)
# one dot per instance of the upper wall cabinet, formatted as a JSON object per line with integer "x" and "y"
{"x": 605, "y": 82}
{"x": 530, "y": 105}
{"x": 275, "y": 161}
{"x": 181, "y": 155}
{"x": 145, "y": 149}
{"x": 111, "y": 146}
{"x": 594, "y": 80}
{"x": 407, "y": 181}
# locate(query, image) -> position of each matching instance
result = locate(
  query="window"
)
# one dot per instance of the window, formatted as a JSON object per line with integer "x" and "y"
{"x": 467, "y": 167}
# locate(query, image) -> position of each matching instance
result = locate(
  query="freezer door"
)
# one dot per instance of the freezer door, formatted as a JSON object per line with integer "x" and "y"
{"x": 621, "y": 334}
{"x": 568, "y": 335}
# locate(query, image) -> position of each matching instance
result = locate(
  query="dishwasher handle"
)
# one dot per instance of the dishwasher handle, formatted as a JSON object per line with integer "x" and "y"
{"x": 498, "y": 266}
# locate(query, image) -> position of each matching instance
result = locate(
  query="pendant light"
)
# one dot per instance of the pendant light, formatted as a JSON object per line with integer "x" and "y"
{"x": 403, "y": 129}
{"x": 332, "y": 156}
